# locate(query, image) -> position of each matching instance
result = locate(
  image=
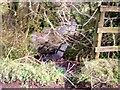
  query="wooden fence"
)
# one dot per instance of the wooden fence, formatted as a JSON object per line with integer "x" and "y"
{"x": 102, "y": 29}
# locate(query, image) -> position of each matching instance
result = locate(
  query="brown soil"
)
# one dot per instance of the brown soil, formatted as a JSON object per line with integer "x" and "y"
{"x": 81, "y": 85}
{"x": 10, "y": 85}
{"x": 18, "y": 84}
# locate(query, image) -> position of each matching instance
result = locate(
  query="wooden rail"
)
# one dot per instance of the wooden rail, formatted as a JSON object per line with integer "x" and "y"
{"x": 107, "y": 49}
{"x": 109, "y": 30}
{"x": 109, "y": 8}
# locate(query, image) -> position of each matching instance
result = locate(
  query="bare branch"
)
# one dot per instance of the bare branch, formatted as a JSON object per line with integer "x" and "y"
{"x": 82, "y": 13}
{"x": 90, "y": 17}
{"x": 47, "y": 19}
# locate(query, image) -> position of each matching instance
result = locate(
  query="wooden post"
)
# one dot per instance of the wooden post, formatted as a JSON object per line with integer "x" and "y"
{"x": 101, "y": 24}
{"x": 1, "y": 34}
{"x": 95, "y": 35}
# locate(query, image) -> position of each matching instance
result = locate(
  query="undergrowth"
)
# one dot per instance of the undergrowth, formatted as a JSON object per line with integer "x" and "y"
{"x": 43, "y": 73}
{"x": 99, "y": 71}
{"x": 18, "y": 63}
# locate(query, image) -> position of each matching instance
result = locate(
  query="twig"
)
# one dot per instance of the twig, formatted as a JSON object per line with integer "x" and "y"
{"x": 22, "y": 58}
{"x": 90, "y": 17}
{"x": 32, "y": 11}
{"x": 65, "y": 17}
{"x": 78, "y": 41}
{"x": 82, "y": 13}
{"x": 70, "y": 68}
{"x": 47, "y": 19}
{"x": 69, "y": 80}
{"x": 59, "y": 15}
{"x": 8, "y": 53}
{"x": 37, "y": 8}
{"x": 108, "y": 18}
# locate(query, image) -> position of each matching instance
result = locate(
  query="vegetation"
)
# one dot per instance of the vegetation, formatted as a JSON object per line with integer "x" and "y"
{"x": 20, "y": 20}
{"x": 43, "y": 73}
{"x": 102, "y": 71}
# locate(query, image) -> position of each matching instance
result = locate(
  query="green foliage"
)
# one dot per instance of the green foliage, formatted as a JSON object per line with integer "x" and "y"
{"x": 17, "y": 62}
{"x": 99, "y": 71}
{"x": 3, "y": 8}
{"x": 44, "y": 73}
{"x": 33, "y": 19}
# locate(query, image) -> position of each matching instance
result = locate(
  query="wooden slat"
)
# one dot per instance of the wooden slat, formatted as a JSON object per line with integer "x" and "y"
{"x": 107, "y": 49}
{"x": 109, "y": 30}
{"x": 109, "y": 8}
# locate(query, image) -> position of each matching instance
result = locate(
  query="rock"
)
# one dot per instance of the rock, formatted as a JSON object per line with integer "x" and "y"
{"x": 53, "y": 43}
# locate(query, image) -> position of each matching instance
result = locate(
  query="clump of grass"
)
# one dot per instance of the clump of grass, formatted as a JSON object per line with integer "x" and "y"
{"x": 43, "y": 73}
{"x": 99, "y": 71}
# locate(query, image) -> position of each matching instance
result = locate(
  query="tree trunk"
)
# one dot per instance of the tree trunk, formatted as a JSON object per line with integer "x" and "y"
{"x": 12, "y": 14}
{"x": 1, "y": 34}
